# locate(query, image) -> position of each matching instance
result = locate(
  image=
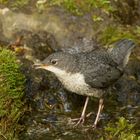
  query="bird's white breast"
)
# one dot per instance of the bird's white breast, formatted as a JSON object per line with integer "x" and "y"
{"x": 73, "y": 82}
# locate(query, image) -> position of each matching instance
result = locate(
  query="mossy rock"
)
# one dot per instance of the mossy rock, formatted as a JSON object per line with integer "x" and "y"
{"x": 11, "y": 92}
{"x": 120, "y": 130}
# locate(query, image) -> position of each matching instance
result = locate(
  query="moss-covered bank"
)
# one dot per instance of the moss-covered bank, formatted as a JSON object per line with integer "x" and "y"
{"x": 11, "y": 92}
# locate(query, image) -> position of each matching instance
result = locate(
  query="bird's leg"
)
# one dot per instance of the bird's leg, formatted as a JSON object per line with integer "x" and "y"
{"x": 99, "y": 112}
{"x": 82, "y": 118}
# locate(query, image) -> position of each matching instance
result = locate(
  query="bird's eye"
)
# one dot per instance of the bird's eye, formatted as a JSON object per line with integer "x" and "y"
{"x": 54, "y": 61}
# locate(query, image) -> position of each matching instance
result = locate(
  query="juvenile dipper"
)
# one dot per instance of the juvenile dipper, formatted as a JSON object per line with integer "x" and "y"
{"x": 89, "y": 73}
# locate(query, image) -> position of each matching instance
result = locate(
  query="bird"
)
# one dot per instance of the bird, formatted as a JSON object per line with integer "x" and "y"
{"x": 89, "y": 73}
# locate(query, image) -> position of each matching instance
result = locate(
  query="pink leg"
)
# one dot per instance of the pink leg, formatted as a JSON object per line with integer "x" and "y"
{"x": 99, "y": 112}
{"x": 82, "y": 118}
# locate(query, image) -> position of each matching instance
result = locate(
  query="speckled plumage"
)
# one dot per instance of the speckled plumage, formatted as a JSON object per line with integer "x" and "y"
{"x": 87, "y": 73}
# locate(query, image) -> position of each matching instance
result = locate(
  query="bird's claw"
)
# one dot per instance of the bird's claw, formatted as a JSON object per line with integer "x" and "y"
{"x": 94, "y": 126}
{"x": 81, "y": 121}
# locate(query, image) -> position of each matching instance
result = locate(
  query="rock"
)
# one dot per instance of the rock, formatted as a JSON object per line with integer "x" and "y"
{"x": 54, "y": 28}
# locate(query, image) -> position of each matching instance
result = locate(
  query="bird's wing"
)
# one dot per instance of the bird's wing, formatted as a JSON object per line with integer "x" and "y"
{"x": 101, "y": 71}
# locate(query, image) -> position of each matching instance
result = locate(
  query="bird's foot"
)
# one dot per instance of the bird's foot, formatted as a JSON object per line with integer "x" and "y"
{"x": 78, "y": 121}
{"x": 94, "y": 126}
{"x": 81, "y": 121}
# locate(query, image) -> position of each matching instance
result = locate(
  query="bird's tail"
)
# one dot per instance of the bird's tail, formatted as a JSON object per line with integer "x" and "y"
{"x": 121, "y": 51}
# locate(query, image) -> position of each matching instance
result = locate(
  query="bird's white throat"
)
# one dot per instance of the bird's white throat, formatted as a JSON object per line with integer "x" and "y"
{"x": 56, "y": 71}
{"x": 66, "y": 75}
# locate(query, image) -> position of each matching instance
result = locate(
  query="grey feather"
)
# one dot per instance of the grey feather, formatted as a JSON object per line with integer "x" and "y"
{"x": 87, "y": 73}
{"x": 121, "y": 51}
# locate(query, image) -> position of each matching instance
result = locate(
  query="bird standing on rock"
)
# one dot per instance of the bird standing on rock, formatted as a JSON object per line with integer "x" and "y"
{"x": 89, "y": 73}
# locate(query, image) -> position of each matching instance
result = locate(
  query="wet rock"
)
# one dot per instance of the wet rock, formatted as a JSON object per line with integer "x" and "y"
{"x": 126, "y": 11}
{"x": 128, "y": 91}
{"x": 49, "y": 29}
{"x": 128, "y": 87}
{"x": 133, "y": 69}
{"x": 41, "y": 43}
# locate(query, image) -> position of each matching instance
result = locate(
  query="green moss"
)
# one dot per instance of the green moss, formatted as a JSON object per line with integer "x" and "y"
{"x": 121, "y": 130}
{"x": 81, "y": 7}
{"x": 11, "y": 92}
{"x": 19, "y": 3}
{"x": 3, "y": 1}
{"x": 113, "y": 33}
{"x": 77, "y": 7}
{"x": 16, "y": 3}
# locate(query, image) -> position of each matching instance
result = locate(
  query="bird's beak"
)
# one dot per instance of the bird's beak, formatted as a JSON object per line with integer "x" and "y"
{"x": 40, "y": 66}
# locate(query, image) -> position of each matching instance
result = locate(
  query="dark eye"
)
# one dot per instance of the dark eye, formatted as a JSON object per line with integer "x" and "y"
{"x": 54, "y": 61}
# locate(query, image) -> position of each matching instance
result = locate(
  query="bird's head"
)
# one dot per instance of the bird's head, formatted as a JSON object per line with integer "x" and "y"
{"x": 58, "y": 63}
